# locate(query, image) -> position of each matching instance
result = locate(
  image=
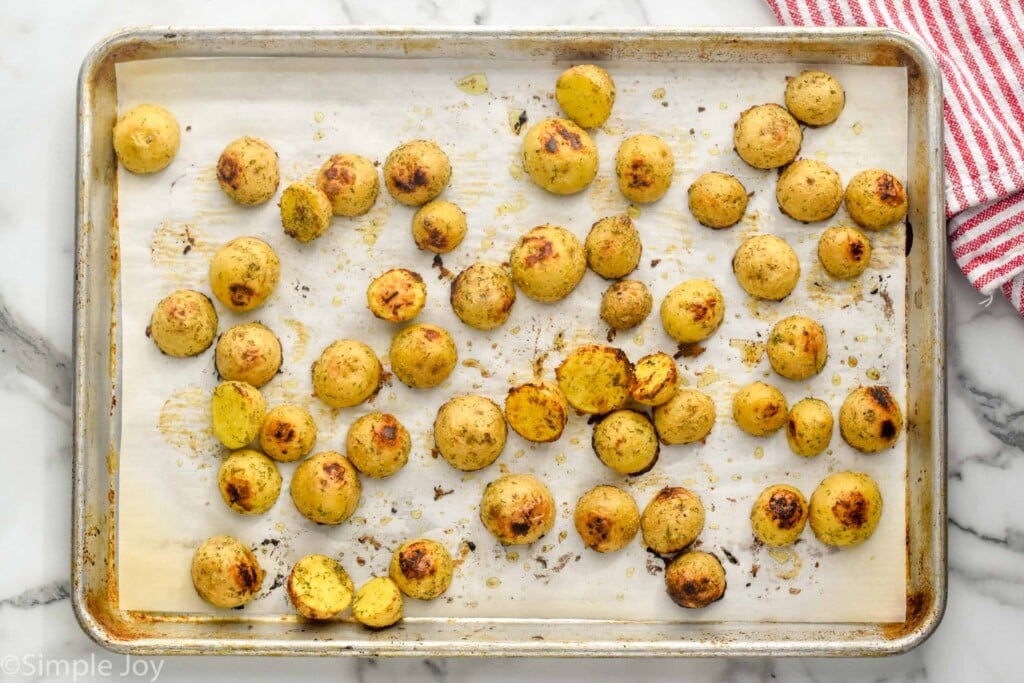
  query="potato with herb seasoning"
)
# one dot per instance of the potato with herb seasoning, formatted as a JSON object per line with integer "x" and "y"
{"x": 422, "y": 569}
{"x": 326, "y": 488}
{"x": 766, "y": 267}
{"x": 225, "y": 572}
{"x": 809, "y": 191}
{"x": 870, "y": 419}
{"x": 537, "y": 411}
{"x": 644, "y": 166}
{"x": 687, "y": 417}
{"x": 305, "y": 212}
{"x": 482, "y": 295}
{"x": 797, "y": 347}
{"x": 759, "y": 409}
{"x": 517, "y": 509}
{"x": 249, "y": 352}
{"x": 845, "y": 509}
{"x": 606, "y": 518}
{"x": 423, "y": 356}
{"x": 625, "y": 441}
{"x": 876, "y": 199}
{"x": 146, "y": 138}
{"x": 595, "y": 379}
{"x": 248, "y": 171}
{"x": 398, "y": 295}
{"x": 844, "y": 252}
{"x": 815, "y": 98}
{"x": 378, "y": 603}
{"x": 809, "y": 427}
{"x": 236, "y": 413}
{"x": 559, "y": 156}
{"x": 586, "y": 93}
{"x": 767, "y": 136}
{"x": 655, "y": 379}
{"x": 288, "y": 433}
{"x": 470, "y": 432}
{"x": 416, "y": 172}
{"x": 249, "y": 482}
{"x": 350, "y": 183}
{"x": 244, "y": 273}
{"x": 672, "y": 520}
{"x": 378, "y": 444}
{"x": 695, "y": 579}
{"x": 613, "y": 247}
{"x": 717, "y": 200}
{"x": 439, "y": 227}
{"x": 183, "y": 324}
{"x": 692, "y": 311}
{"x": 547, "y": 263}
{"x": 626, "y": 304}
{"x": 347, "y": 373}
{"x": 779, "y": 515}
{"x": 319, "y": 588}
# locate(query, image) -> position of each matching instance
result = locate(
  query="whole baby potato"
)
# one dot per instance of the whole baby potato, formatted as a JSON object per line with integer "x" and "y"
{"x": 809, "y": 190}
{"x": 559, "y": 156}
{"x": 547, "y": 263}
{"x": 439, "y": 227}
{"x": 643, "y": 167}
{"x": 596, "y": 379}
{"x": 876, "y": 199}
{"x": 248, "y": 172}
{"x": 844, "y": 252}
{"x": 350, "y": 183}
{"x": 655, "y": 379}
{"x": 517, "y": 509}
{"x": 305, "y": 212}
{"x": 470, "y": 432}
{"x": 625, "y": 441}
{"x": 717, "y": 200}
{"x": 423, "y": 356}
{"x": 612, "y": 247}
{"x": 244, "y": 273}
{"x": 378, "y": 444}
{"x": 759, "y": 409}
{"x": 586, "y": 93}
{"x": 687, "y": 417}
{"x": 809, "y": 427}
{"x": 537, "y": 411}
{"x": 249, "y": 482}
{"x": 672, "y": 520}
{"x": 319, "y": 588}
{"x": 695, "y": 579}
{"x": 779, "y": 515}
{"x": 417, "y": 172}
{"x": 870, "y": 419}
{"x": 626, "y": 304}
{"x": 422, "y": 569}
{"x": 606, "y": 518}
{"x": 378, "y": 603}
{"x": 249, "y": 352}
{"x": 347, "y": 373}
{"x": 236, "y": 413}
{"x": 797, "y": 347}
{"x": 225, "y": 572}
{"x": 397, "y": 296}
{"x": 766, "y": 267}
{"x": 767, "y": 136}
{"x": 482, "y": 295}
{"x": 815, "y": 98}
{"x": 845, "y": 508}
{"x": 692, "y": 311}
{"x": 183, "y": 324}
{"x": 326, "y": 488}
{"x": 146, "y": 138}
{"x": 288, "y": 433}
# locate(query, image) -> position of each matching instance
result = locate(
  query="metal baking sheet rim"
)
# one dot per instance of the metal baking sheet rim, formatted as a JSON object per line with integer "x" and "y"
{"x": 96, "y": 336}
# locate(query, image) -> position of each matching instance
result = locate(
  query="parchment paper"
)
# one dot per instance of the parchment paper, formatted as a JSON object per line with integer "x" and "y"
{"x": 308, "y": 109}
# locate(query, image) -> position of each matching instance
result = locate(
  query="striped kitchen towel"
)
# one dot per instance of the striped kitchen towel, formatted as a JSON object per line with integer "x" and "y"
{"x": 980, "y": 46}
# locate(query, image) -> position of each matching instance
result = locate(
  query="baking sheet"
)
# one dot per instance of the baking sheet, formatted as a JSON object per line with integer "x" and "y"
{"x": 310, "y": 108}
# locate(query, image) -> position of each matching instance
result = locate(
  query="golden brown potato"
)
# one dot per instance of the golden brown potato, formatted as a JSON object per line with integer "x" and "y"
{"x": 225, "y": 572}
{"x": 347, "y": 373}
{"x": 672, "y": 520}
{"x": 378, "y": 604}
{"x": 717, "y": 200}
{"x": 687, "y": 417}
{"x": 248, "y": 172}
{"x": 423, "y": 356}
{"x": 612, "y": 247}
{"x": 249, "y": 482}
{"x": 876, "y": 199}
{"x": 779, "y": 515}
{"x": 305, "y": 212}
{"x": 815, "y": 98}
{"x": 695, "y": 579}
{"x": 244, "y": 273}
{"x": 184, "y": 323}
{"x": 537, "y": 411}
{"x": 809, "y": 427}
{"x": 350, "y": 183}
{"x": 439, "y": 227}
{"x": 625, "y": 441}
{"x": 767, "y": 136}
{"x": 626, "y": 304}
{"x": 606, "y": 518}
{"x": 482, "y": 295}
{"x": 422, "y": 569}
{"x": 766, "y": 267}
{"x": 146, "y": 138}
{"x": 517, "y": 509}
{"x": 378, "y": 445}
{"x": 644, "y": 166}
{"x": 595, "y": 379}
{"x": 870, "y": 419}
{"x": 692, "y": 311}
{"x": 844, "y": 252}
{"x": 655, "y": 379}
{"x": 470, "y": 432}
{"x": 586, "y": 93}
{"x": 759, "y": 409}
{"x": 845, "y": 508}
{"x": 326, "y": 488}
{"x": 249, "y": 352}
{"x": 559, "y": 156}
{"x": 397, "y": 296}
{"x": 236, "y": 413}
{"x": 797, "y": 348}
{"x": 319, "y": 587}
{"x": 417, "y": 172}
{"x": 809, "y": 190}
{"x": 288, "y": 433}
{"x": 547, "y": 263}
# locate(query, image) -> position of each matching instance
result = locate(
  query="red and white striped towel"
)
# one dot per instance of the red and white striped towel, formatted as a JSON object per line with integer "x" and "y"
{"x": 980, "y": 47}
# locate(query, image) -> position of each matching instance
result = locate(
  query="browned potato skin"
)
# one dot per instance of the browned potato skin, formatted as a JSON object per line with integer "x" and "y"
{"x": 685, "y": 418}
{"x": 417, "y": 172}
{"x": 249, "y": 352}
{"x": 517, "y": 509}
{"x": 809, "y": 191}
{"x": 378, "y": 444}
{"x": 767, "y": 136}
{"x": 439, "y": 227}
{"x": 470, "y": 432}
{"x": 672, "y": 520}
{"x": 779, "y": 515}
{"x": 350, "y": 183}
{"x": 244, "y": 273}
{"x": 870, "y": 419}
{"x": 844, "y": 252}
{"x": 422, "y": 568}
{"x": 613, "y": 247}
{"x": 606, "y": 518}
{"x": 347, "y": 373}
{"x": 326, "y": 488}
{"x": 288, "y": 433}
{"x": 305, "y": 212}
{"x": 815, "y": 98}
{"x": 797, "y": 348}
{"x": 717, "y": 200}
{"x": 876, "y": 199}
{"x": 225, "y": 572}
{"x": 249, "y": 482}
{"x": 559, "y": 156}
{"x": 248, "y": 172}
{"x": 423, "y": 356}
{"x": 547, "y": 263}
{"x": 692, "y": 311}
{"x": 626, "y": 304}
{"x": 655, "y": 379}
{"x": 759, "y": 409}
{"x": 397, "y": 296}
{"x": 596, "y": 379}
{"x": 537, "y": 411}
{"x": 183, "y": 324}
{"x": 625, "y": 441}
{"x": 482, "y": 296}
{"x": 644, "y": 166}
{"x": 809, "y": 427}
{"x": 695, "y": 579}
{"x": 845, "y": 509}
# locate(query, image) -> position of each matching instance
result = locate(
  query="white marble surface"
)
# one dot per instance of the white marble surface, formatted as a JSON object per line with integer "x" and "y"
{"x": 41, "y": 46}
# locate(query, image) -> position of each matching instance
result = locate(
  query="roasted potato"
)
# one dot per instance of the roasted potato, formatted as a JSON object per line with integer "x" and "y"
{"x": 626, "y": 304}
{"x": 423, "y": 356}
{"x": 319, "y": 587}
{"x": 305, "y": 211}
{"x": 625, "y": 441}
{"x": 378, "y": 445}
{"x": 606, "y": 518}
{"x": 695, "y": 579}
{"x": 537, "y": 411}
{"x": 347, "y": 373}
{"x": 779, "y": 515}
{"x": 288, "y": 433}
{"x": 326, "y": 488}
{"x": 797, "y": 348}
{"x": 482, "y": 295}
{"x": 146, "y": 138}
{"x": 870, "y": 419}
{"x": 809, "y": 427}
{"x": 236, "y": 413}
{"x": 687, "y": 417}
{"x": 249, "y": 352}
{"x": 547, "y": 263}
{"x": 225, "y": 572}
{"x": 249, "y": 482}
{"x": 417, "y": 172}
{"x": 767, "y": 136}
{"x": 643, "y": 167}
{"x": 183, "y": 324}
{"x": 809, "y": 191}
{"x": 595, "y": 379}
{"x": 378, "y": 603}
{"x": 692, "y": 311}
{"x": 759, "y": 409}
{"x": 672, "y": 520}
{"x": 876, "y": 199}
{"x": 439, "y": 227}
{"x": 517, "y": 509}
{"x": 844, "y": 252}
{"x": 350, "y": 183}
{"x": 469, "y": 432}
{"x": 845, "y": 508}
{"x": 244, "y": 273}
{"x": 612, "y": 247}
{"x": 559, "y": 156}
{"x": 717, "y": 200}
{"x": 397, "y": 296}
{"x": 815, "y": 98}
{"x": 766, "y": 267}
{"x": 422, "y": 569}
{"x": 248, "y": 172}
{"x": 655, "y": 379}
{"x": 586, "y": 93}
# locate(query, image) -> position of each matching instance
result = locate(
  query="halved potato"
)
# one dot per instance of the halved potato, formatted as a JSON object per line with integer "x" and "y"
{"x": 237, "y": 410}
{"x": 319, "y": 587}
{"x": 378, "y": 603}
{"x": 595, "y": 379}
{"x": 655, "y": 379}
{"x": 537, "y": 411}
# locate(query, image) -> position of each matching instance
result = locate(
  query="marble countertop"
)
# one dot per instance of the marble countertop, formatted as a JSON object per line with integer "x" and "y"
{"x": 42, "y": 47}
